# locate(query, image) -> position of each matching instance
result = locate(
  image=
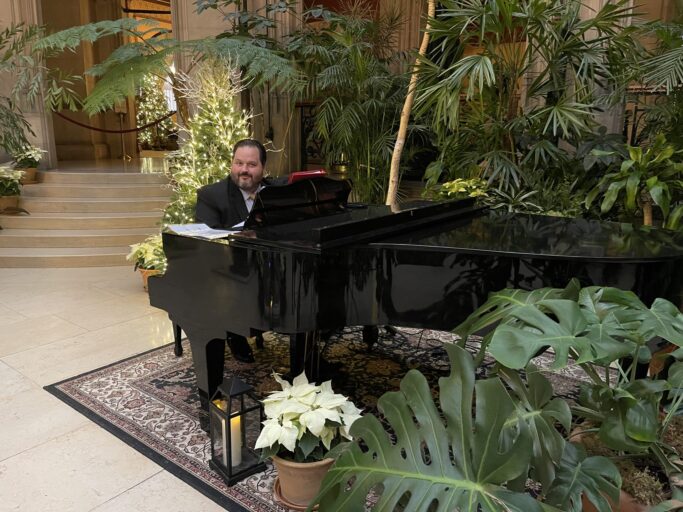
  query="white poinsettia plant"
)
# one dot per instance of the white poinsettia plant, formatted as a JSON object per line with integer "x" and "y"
{"x": 304, "y": 420}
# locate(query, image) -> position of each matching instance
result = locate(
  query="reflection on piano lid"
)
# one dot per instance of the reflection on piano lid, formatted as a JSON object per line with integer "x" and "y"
{"x": 302, "y": 200}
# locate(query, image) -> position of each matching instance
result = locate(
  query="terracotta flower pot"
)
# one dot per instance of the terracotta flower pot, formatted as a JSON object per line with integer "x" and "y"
{"x": 8, "y": 202}
{"x": 626, "y": 504}
{"x": 145, "y": 273}
{"x": 29, "y": 175}
{"x": 299, "y": 482}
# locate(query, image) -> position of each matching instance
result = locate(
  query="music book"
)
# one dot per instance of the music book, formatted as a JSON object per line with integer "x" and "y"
{"x": 199, "y": 231}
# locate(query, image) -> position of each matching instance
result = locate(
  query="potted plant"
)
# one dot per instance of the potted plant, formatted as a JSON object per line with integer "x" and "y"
{"x": 648, "y": 177}
{"x": 27, "y": 159}
{"x": 612, "y": 337}
{"x": 149, "y": 257}
{"x": 477, "y": 452}
{"x": 303, "y": 423}
{"x": 10, "y": 187}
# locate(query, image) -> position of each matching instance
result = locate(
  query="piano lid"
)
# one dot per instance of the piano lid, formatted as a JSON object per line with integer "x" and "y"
{"x": 303, "y": 200}
{"x": 553, "y": 237}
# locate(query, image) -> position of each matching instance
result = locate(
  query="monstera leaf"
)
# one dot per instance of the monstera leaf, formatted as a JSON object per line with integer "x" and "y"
{"x": 499, "y": 304}
{"x": 559, "y": 325}
{"x": 540, "y": 411}
{"x": 448, "y": 460}
{"x": 594, "y": 477}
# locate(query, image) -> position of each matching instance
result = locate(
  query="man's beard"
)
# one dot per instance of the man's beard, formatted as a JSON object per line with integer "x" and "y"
{"x": 244, "y": 185}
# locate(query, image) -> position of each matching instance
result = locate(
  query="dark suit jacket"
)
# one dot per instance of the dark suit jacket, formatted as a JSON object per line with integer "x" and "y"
{"x": 221, "y": 204}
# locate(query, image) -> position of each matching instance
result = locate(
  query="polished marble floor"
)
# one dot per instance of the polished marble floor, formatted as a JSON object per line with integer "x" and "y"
{"x": 55, "y": 324}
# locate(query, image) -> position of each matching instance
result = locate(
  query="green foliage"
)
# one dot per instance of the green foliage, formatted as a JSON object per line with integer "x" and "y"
{"x": 475, "y": 453}
{"x": 600, "y": 329}
{"x": 595, "y": 477}
{"x": 28, "y": 156}
{"x": 150, "y": 106}
{"x": 347, "y": 67}
{"x": 645, "y": 177}
{"x": 216, "y": 126}
{"x": 9, "y": 181}
{"x": 13, "y": 127}
{"x": 122, "y": 72}
{"x": 460, "y": 189}
{"x": 148, "y": 254}
{"x": 473, "y": 100}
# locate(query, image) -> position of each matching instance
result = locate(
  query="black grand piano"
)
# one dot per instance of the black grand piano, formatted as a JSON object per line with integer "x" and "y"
{"x": 309, "y": 261}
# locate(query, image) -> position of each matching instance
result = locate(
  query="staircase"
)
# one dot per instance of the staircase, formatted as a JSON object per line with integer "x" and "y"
{"x": 82, "y": 219}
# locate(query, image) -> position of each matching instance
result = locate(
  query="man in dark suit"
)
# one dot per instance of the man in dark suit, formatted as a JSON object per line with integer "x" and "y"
{"x": 228, "y": 202}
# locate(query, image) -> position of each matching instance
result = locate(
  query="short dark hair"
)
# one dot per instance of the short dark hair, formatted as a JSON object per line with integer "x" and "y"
{"x": 254, "y": 144}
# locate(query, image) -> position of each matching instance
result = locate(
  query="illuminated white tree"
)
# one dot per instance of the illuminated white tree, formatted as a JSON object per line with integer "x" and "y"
{"x": 211, "y": 133}
{"x": 151, "y": 105}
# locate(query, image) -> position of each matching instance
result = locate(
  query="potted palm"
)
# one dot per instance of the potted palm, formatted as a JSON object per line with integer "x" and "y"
{"x": 149, "y": 257}
{"x": 27, "y": 159}
{"x": 10, "y": 187}
{"x": 304, "y": 422}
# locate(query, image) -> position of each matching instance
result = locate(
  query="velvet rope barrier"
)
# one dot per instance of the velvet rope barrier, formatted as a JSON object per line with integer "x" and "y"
{"x": 116, "y": 131}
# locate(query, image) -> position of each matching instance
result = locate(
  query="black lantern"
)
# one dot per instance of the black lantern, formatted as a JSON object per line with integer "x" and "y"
{"x": 235, "y": 417}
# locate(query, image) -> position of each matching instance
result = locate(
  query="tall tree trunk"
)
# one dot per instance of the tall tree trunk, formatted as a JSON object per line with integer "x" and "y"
{"x": 647, "y": 213}
{"x": 392, "y": 191}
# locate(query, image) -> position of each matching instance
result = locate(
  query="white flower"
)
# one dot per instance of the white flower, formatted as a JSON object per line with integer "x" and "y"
{"x": 302, "y": 407}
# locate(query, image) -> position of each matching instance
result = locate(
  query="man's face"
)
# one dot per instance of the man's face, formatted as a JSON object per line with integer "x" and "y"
{"x": 247, "y": 171}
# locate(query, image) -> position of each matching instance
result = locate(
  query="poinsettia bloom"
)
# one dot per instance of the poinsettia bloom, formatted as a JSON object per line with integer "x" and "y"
{"x": 327, "y": 436}
{"x": 315, "y": 420}
{"x": 328, "y": 398}
{"x": 273, "y": 432}
{"x": 284, "y": 407}
{"x": 303, "y": 407}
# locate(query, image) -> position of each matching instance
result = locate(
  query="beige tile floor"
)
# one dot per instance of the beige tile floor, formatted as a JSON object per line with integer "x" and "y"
{"x": 54, "y": 324}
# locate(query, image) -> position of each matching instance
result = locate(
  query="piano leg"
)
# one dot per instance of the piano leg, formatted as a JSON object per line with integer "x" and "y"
{"x": 177, "y": 333}
{"x": 258, "y": 335}
{"x": 304, "y": 355}
{"x": 208, "y": 363}
{"x": 370, "y": 335}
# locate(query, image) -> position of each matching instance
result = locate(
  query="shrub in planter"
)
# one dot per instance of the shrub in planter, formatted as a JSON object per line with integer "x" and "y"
{"x": 148, "y": 257}
{"x": 10, "y": 187}
{"x": 304, "y": 423}
{"x": 29, "y": 156}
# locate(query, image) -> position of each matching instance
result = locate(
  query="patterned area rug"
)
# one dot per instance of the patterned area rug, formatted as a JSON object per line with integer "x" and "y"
{"x": 149, "y": 401}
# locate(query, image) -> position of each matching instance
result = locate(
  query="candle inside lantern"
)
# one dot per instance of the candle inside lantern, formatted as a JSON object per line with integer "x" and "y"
{"x": 235, "y": 441}
{"x": 235, "y": 437}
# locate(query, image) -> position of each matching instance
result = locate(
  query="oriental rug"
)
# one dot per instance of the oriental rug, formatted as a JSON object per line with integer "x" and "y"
{"x": 150, "y": 401}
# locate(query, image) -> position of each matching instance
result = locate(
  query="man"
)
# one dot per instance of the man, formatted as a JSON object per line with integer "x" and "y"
{"x": 228, "y": 202}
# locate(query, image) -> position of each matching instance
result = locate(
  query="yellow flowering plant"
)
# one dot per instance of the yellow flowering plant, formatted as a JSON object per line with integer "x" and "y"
{"x": 148, "y": 254}
{"x": 10, "y": 181}
{"x": 304, "y": 421}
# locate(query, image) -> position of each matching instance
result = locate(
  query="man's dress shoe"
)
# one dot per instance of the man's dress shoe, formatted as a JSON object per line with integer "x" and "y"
{"x": 240, "y": 349}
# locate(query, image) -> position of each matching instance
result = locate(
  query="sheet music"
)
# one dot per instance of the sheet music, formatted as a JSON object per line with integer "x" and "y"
{"x": 199, "y": 231}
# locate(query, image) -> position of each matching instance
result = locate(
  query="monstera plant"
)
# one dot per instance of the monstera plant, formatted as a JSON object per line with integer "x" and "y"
{"x": 613, "y": 337}
{"x": 476, "y": 453}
